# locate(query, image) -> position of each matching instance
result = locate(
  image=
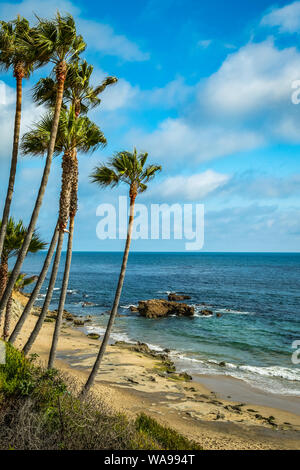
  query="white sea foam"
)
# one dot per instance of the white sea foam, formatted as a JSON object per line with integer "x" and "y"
{"x": 116, "y": 336}
{"x": 229, "y": 310}
{"x": 128, "y": 306}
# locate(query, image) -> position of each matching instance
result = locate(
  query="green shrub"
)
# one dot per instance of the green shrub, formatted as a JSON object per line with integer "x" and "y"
{"x": 166, "y": 437}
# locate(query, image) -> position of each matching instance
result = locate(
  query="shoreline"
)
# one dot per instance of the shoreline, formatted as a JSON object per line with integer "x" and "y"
{"x": 134, "y": 379}
{"x": 223, "y": 384}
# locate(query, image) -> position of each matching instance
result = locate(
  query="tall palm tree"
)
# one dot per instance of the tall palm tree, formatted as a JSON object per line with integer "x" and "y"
{"x": 58, "y": 43}
{"x": 82, "y": 96}
{"x": 16, "y": 53}
{"x": 129, "y": 168}
{"x": 73, "y": 133}
{"x": 15, "y": 234}
{"x": 79, "y": 93}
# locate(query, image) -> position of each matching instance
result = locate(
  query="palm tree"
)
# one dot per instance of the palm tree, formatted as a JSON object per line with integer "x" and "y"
{"x": 16, "y": 53}
{"x": 78, "y": 90}
{"x": 15, "y": 234}
{"x": 58, "y": 43}
{"x": 73, "y": 133}
{"x": 23, "y": 280}
{"x": 129, "y": 168}
{"x": 81, "y": 95}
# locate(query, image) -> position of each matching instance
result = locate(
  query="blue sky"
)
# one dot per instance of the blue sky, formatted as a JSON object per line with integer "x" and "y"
{"x": 205, "y": 88}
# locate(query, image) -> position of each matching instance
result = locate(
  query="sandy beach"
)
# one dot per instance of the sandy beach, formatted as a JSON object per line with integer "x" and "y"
{"x": 134, "y": 379}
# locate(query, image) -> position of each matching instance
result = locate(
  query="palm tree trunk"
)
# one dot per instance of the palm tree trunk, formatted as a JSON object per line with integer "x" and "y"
{"x": 7, "y": 319}
{"x": 36, "y": 289}
{"x": 62, "y": 298}
{"x": 3, "y": 279}
{"x": 3, "y": 274}
{"x": 113, "y": 313}
{"x": 72, "y": 212}
{"x": 48, "y": 297}
{"x": 19, "y": 74}
{"x": 22, "y": 254}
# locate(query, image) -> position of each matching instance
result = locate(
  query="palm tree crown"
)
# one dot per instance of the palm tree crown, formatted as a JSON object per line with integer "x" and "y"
{"x": 126, "y": 167}
{"x": 78, "y": 90}
{"x": 16, "y": 47}
{"x": 57, "y": 40}
{"x": 80, "y": 133}
{"x": 15, "y": 235}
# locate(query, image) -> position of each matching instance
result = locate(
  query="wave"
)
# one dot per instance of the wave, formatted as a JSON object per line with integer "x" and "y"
{"x": 272, "y": 379}
{"x": 116, "y": 336}
{"x": 128, "y": 306}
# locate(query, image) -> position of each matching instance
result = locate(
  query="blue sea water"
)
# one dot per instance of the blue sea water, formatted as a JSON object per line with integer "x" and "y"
{"x": 257, "y": 294}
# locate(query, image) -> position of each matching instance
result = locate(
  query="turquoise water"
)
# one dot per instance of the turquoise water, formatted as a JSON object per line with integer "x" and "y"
{"x": 257, "y": 294}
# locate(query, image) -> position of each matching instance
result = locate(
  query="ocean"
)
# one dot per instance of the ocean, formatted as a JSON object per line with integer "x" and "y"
{"x": 257, "y": 294}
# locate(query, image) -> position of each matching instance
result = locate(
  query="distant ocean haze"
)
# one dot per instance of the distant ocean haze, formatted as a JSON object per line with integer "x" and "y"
{"x": 257, "y": 295}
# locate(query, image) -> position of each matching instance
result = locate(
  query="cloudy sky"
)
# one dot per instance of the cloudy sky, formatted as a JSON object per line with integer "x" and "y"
{"x": 206, "y": 88}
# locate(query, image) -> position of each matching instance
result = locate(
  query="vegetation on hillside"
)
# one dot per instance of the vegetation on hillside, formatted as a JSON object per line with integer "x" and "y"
{"x": 42, "y": 409}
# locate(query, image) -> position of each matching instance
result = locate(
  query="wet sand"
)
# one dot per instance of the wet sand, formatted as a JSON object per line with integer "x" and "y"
{"x": 237, "y": 390}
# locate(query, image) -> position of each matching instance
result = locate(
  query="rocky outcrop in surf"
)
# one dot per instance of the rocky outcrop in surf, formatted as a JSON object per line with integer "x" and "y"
{"x": 157, "y": 308}
{"x": 177, "y": 297}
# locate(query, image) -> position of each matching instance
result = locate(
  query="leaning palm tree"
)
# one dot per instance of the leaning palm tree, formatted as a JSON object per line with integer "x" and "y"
{"x": 79, "y": 93}
{"x": 73, "y": 133}
{"x": 16, "y": 53}
{"x": 15, "y": 234}
{"x": 129, "y": 168}
{"x": 58, "y": 43}
{"x": 78, "y": 89}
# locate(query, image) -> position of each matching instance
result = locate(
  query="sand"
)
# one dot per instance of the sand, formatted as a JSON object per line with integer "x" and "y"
{"x": 133, "y": 382}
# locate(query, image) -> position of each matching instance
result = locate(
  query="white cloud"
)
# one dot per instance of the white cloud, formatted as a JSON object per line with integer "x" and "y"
{"x": 286, "y": 18}
{"x": 176, "y": 139}
{"x": 190, "y": 188}
{"x": 255, "y": 77}
{"x": 30, "y": 113}
{"x": 245, "y": 105}
{"x": 172, "y": 95}
{"x": 27, "y": 8}
{"x": 125, "y": 95}
{"x": 102, "y": 38}
{"x": 204, "y": 43}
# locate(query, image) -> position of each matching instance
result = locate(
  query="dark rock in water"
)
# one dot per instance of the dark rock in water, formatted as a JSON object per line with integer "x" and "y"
{"x": 133, "y": 308}
{"x": 175, "y": 297}
{"x": 206, "y": 312}
{"x": 157, "y": 308}
{"x": 184, "y": 376}
{"x": 78, "y": 322}
{"x": 167, "y": 350}
{"x": 218, "y": 315}
{"x": 139, "y": 347}
{"x": 66, "y": 315}
{"x": 93, "y": 335}
{"x": 222, "y": 364}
